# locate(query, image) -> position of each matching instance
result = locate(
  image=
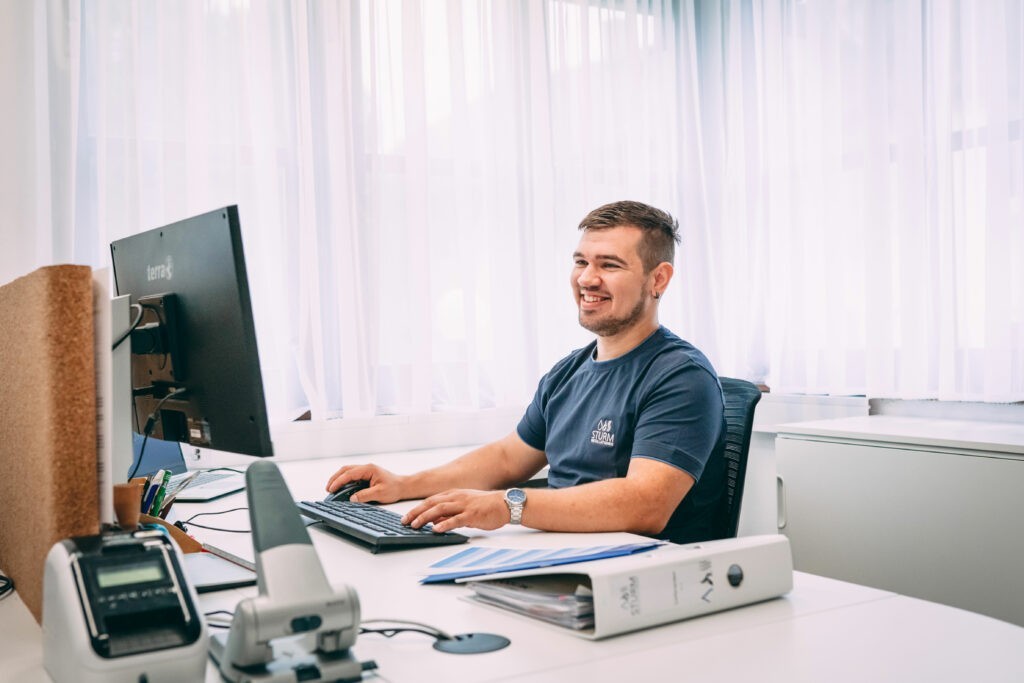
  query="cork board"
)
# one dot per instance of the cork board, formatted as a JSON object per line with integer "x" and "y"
{"x": 48, "y": 487}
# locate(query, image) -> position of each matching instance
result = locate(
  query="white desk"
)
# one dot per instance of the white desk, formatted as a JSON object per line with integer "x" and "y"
{"x": 823, "y": 630}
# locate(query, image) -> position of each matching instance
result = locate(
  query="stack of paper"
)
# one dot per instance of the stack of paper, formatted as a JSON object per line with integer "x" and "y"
{"x": 562, "y": 599}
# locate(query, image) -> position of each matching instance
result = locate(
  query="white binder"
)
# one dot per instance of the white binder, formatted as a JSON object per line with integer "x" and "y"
{"x": 672, "y": 583}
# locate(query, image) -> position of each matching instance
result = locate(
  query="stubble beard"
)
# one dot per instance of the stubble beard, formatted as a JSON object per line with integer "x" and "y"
{"x": 609, "y": 327}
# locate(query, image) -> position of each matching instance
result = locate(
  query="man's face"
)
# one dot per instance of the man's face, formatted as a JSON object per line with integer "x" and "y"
{"x": 608, "y": 280}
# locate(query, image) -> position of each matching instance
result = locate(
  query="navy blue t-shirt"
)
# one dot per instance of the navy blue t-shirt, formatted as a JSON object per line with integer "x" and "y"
{"x": 662, "y": 400}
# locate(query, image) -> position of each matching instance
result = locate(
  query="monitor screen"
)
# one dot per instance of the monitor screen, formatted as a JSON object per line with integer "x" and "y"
{"x": 195, "y": 366}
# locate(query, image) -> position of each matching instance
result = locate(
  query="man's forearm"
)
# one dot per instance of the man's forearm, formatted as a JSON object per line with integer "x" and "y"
{"x": 485, "y": 468}
{"x": 622, "y": 504}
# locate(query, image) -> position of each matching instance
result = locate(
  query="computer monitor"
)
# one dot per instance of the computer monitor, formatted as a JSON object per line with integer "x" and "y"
{"x": 194, "y": 363}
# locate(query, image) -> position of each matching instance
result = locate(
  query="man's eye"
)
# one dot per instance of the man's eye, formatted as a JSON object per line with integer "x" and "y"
{"x": 580, "y": 263}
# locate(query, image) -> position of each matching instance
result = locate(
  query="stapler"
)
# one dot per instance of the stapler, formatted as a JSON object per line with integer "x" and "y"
{"x": 299, "y": 627}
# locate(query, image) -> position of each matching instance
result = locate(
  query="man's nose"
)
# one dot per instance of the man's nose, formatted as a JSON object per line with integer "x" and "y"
{"x": 587, "y": 277}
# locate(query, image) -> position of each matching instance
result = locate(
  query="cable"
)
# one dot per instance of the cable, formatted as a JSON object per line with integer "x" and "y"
{"x": 6, "y": 586}
{"x": 181, "y": 524}
{"x": 224, "y": 469}
{"x": 150, "y": 422}
{"x": 213, "y": 514}
{"x": 210, "y": 514}
{"x": 131, "y": 328}
{"x": 142, "y": 451}
{"x": 213, "y": 528}
{"x": 218, "y": 613}
{"x": 217, "y": 528}
{"x": 406, "y": 626}
{"x": 409, "y": 626}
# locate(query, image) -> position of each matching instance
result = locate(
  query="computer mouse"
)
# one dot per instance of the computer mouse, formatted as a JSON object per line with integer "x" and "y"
{"x": 346, "y": 491}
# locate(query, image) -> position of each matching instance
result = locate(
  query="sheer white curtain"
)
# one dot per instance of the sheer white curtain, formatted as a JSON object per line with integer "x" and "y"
{"x": 409, "y": 174}
{"x": 863, "y": 178}
{"x": 848, "y": 178}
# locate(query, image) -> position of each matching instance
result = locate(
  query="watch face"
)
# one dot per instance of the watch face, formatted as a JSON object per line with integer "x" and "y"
{"x": 515, "y": 496}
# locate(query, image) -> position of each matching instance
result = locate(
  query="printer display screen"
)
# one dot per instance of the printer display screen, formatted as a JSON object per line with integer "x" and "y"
{"x": 138, "y": 572}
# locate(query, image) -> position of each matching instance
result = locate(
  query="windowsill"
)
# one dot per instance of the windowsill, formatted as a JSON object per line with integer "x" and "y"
{"x": 394, "y": 433}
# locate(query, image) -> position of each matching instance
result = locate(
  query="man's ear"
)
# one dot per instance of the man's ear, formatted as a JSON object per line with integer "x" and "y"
{"x": 661, "y": 276}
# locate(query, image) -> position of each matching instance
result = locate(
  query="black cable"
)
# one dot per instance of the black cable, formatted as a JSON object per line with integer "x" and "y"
{"x": 220, "y": 611}
{"x": 391, "y": 632}
{"x": 213, "y": 528}
{"x": 181, "y": 524}
{"x": 150, "y": 423}
{"x": 409, "y": 626}
{"x": 215, "y": 612}
{"x": 210, "y": 514}
{"x": 217, "y": 528}
{"x": 131, "y": 328}
{"x": 6, "y": 586}
{"x": 142, "y": 452}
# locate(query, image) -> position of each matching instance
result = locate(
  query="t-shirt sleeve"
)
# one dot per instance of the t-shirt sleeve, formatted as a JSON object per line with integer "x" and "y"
{"x": 681, "y": 419}
{"x": 532, "y": 428}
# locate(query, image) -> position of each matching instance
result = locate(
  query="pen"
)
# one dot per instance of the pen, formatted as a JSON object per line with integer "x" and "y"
{"x": 153, "y": 486}
{"x": 145, "y": 491}
{"x": 158, "y": 500}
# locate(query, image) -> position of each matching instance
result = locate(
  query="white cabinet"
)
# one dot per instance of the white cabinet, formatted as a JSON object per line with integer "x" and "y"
{"x": 928, "y": 508}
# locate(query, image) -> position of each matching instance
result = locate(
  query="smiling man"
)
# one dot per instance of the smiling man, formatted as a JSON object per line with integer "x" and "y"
{"x": 631, "y": 426}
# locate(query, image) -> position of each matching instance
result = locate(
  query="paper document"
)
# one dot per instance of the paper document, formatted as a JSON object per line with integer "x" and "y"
{"x": 478, "y": 560}
{"x": 562, "y": 599}
{"x": 208, "y": 572}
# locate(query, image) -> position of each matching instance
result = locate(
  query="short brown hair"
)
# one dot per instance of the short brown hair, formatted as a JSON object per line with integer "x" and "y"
{"x": 660, "y": 229}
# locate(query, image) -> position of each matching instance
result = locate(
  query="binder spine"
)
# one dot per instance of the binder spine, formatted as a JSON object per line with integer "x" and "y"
{"x": 689, "y": 582}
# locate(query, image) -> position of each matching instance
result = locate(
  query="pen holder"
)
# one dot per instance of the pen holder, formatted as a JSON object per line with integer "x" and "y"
{"x": 127, "y": 499}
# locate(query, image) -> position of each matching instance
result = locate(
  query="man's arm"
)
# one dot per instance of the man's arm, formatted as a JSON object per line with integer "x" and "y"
{"x": 641, "y": 502}
{"x": 498, "y": 464}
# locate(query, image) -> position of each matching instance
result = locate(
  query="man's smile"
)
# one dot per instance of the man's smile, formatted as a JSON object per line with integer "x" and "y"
{"x": 590, "y": 301}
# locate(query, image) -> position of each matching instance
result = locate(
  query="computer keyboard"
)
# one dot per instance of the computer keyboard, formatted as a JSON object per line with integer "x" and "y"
{"x": 179, "y": 481}
{"x": 375, "y": 527}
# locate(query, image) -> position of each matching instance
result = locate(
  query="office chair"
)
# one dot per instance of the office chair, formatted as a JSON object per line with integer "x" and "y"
{"x": 741, "y": 398}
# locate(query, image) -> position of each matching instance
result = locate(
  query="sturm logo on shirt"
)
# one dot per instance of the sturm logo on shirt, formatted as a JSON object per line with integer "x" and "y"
{"x": 603, "y": 435}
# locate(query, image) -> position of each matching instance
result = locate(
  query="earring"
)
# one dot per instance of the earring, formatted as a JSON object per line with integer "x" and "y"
{"x": 656, "y": 295}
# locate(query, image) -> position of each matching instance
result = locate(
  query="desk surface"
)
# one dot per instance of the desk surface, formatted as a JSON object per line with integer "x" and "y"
{"x": 823, "y": 630}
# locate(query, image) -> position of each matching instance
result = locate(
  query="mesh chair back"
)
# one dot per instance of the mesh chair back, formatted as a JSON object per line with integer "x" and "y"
{"x": 741, "y": 398}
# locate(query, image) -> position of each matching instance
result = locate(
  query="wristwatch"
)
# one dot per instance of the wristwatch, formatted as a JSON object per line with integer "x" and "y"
{"x": 516, "y": 501}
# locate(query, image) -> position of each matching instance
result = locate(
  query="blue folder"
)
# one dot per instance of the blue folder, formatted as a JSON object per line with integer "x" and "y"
{"x": 477, "y": 560}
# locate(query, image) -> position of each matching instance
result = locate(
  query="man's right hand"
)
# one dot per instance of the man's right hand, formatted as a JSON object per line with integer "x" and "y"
{"x": 385, "y": 486}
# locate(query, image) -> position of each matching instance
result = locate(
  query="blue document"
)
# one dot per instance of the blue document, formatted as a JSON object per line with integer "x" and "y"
{"x": 477, "y": 561}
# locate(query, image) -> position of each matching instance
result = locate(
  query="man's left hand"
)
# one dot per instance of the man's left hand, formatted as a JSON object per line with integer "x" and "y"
{"x": 460, "y": 508}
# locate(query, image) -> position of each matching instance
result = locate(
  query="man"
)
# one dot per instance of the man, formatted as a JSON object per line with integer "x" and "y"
{"x": 631, "y": 425}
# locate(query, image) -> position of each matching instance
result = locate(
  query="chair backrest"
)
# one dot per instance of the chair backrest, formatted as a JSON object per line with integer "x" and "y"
{"x": 741, "y": 398}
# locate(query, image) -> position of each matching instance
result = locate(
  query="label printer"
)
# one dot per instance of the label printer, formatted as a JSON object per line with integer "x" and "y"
{"x": 117, "y": 607}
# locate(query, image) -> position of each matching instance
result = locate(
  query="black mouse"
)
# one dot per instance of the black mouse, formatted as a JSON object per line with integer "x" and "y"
{"x": 346, "y": 491}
